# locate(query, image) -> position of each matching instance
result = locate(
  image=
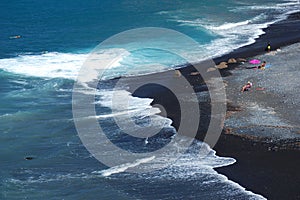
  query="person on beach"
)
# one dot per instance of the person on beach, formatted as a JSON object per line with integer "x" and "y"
{"x": 268, "y": 48}
{"x": 262, "y": 66}
{"x": 247, "y": 86}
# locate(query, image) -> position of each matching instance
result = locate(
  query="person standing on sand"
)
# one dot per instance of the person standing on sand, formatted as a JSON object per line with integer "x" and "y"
{"x": 268, "y": 48}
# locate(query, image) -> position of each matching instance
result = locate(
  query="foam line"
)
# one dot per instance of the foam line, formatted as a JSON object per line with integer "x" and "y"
{"x": 124, "y": 167}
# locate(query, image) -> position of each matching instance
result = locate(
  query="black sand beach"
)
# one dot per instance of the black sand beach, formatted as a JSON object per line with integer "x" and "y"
{"x": 268, "y": 162}
{"x": 267, "y": 154}
{"x": 268, "y": 150}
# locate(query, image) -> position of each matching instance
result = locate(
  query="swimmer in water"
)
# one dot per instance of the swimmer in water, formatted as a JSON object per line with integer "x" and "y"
{"x": 15, "y": 37}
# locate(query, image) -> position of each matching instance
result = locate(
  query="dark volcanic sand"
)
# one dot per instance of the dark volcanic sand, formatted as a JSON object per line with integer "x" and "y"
{"x": 261, "y": 168}
{"x": 270, "y": 116}
{"x": 269, "y": 166}
{"x": 266, "y": 165}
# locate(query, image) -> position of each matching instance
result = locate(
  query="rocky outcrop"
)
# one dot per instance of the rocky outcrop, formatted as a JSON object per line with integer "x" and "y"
{"x": 241, "y": 60}
{"x": 222, "y": 65}
{"x": 231, "y": 60}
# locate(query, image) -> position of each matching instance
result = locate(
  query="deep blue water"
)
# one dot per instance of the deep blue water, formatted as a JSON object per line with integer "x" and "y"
{"x": 37, "y": 73}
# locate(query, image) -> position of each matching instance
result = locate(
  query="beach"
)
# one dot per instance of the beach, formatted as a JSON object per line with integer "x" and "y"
{"x": 267, "y": 144}
{"x": 263, "y": 133}
{"x": 157, "y": 123}
{"x": 262, "y": 125}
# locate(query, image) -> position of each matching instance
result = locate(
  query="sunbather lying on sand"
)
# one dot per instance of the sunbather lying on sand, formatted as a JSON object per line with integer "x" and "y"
{"x": 262, "y": 66}
{"x": 247, "y": 86}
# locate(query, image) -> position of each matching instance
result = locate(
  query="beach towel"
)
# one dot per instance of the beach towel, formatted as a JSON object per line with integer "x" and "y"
{"x": 268, "y": 66}
{"x": 254, "y": 61}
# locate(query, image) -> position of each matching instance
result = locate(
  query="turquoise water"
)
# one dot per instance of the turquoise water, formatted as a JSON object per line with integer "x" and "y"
{"x": 37, "y": 73}
{"x": 56, "y": 31}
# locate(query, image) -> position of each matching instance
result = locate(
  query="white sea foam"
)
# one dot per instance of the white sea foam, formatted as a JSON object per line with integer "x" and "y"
{"x": 227, "y": 26}
{"x": 115, "y": 99}
{"x": 6, "y": 115}
{"x": 107, "y": 63}
{"x": 54, "y": 64}
{"x": 15, "y": 116}
{"x": 134, "y": 106}
{"x": 188, "y": 167}
{"x": 191, "y": 166}
{"x": 232, "y": 34}
{"x": 124, "y": 167}
{"x": 283, "y": 7}
{"x": 49, "y": 65}
{"x": 134, "y": 116}
{"x": 250, "y": 32}
{"x": 199, "y": 159}
{"x": 201, "y": 163}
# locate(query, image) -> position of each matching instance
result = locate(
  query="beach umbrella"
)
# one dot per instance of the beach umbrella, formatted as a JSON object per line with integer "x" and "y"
{"x": 254, "y": 61}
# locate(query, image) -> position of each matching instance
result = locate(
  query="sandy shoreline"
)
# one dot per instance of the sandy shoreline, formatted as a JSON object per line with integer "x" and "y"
{"x": 263, "y": 132}
{"x": 266, "y": 165}
{"x": 280, "y": 34}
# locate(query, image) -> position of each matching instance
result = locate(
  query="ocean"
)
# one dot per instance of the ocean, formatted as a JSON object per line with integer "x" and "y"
{"x": 44, "y": 45}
